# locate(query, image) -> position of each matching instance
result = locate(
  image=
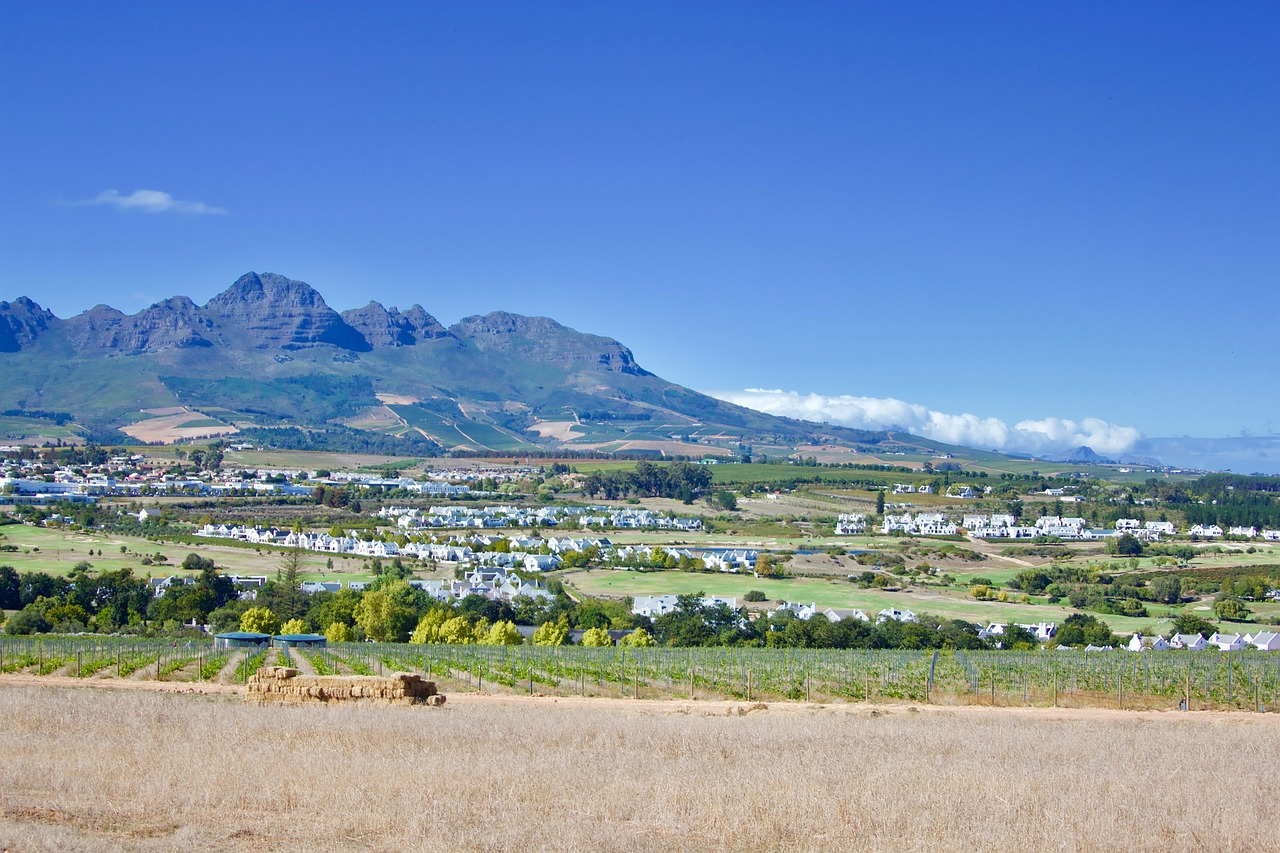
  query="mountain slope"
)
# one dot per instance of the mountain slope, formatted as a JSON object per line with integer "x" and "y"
{"x": 270, "y": 350}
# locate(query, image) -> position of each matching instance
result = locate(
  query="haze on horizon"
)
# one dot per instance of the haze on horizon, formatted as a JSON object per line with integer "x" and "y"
{"x": 1026, "y": 224}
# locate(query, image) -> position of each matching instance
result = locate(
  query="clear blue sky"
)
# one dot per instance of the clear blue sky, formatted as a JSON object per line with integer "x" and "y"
{"x": 1017, "y": 210}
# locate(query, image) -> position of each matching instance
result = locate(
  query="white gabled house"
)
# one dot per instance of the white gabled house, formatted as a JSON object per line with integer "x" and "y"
{"x": 1210, "y": 531}
{"x": 1139, "y": 643}
{"x": 851, "y": 524}
{"x": 1228, "y": 642}
{"x": 800, "y": 611}
{"x": 1264, "y": 641}
{"x": 896, "y": 615}
{"x": 541, "y": 562}
{"x": 1191, "y": 642}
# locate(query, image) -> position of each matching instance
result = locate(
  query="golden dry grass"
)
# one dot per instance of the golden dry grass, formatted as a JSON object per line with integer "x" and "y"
{"x": 84, "y": 769}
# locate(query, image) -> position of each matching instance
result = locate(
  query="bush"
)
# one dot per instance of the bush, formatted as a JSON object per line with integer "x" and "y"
{"x": 755, "y": 595}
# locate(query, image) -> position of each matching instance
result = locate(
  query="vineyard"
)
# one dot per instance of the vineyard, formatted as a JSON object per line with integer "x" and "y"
{"x": 1167, "y": 679}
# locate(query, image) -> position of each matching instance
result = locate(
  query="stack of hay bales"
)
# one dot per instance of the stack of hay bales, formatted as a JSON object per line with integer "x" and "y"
{"x": 283, "y": 684}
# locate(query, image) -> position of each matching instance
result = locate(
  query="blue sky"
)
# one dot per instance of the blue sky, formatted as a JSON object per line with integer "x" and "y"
{"x": 1028, "y": 213}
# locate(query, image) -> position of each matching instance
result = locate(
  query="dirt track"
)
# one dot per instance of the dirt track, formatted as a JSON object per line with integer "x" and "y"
{"x": 678, "y": 707}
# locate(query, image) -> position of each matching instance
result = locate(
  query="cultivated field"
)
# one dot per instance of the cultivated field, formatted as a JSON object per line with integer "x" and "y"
{"x": 174, "y": 424}
{"x": 93, "y": 770}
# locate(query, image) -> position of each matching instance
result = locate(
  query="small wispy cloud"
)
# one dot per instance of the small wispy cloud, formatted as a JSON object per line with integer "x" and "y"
{"x": 150, "y": 201}
{"x": 1047, "y": 435}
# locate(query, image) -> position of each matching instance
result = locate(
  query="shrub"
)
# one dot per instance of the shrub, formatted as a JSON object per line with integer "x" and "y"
{"x": 755, "y": 595}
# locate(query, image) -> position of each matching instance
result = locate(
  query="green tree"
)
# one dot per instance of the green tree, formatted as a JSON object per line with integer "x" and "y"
{"x": 552, "y": 633}
{"x": 259, "y": 620}
{"x": 294, "y": 626}
{"x": 338, "y": 632}
{"x": 503, "y": 633}
{"x": 880, "y": 502}
{"x": 388, "y": 614}
{"x": 769, "y": 566}
{"x": 428, "y": 628}
{"x": 596, "y": 637}
{"x": 1231, "y": 609}
{"x": 639, "y": 638}
{"x": 724, "y": 500}
{"x": 1191, "y": 624}
{"x": 457, "y": 632}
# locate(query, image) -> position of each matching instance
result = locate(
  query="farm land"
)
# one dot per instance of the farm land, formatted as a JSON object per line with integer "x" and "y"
{"x": 113, "y": 770}
{"x": 886, "y": 737}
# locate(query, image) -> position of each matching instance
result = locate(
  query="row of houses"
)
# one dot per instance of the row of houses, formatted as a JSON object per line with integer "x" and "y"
{"x": 809, "y": 611}
{"x": 595, "y": 517}
{"x": 1266, "y": 641}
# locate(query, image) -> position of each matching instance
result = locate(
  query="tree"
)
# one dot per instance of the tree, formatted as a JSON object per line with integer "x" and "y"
{"x": 639, "y": 638}
{"x": 1125, "y": 545}
{"x": 458, "y": 632}
{"x": 338, "y": 632}
{"x": 428, "y": 628}
{"x": 285, "y": 596}
{"x": 294, "y": 626}
{"x": 195, "y": 561}
{"x": 259, "y": 620}
{"x": 755, "y": 595}
{"x": 1191, "y": 624}
{"x": 387, "y": 614}
{"x": 502, "y": 633}
{"x": 1231, "y": 609}
{"x": 596, "y": 637}
{"x": 880, "y": 502}
{"x": 28, "y": 620}
{"x": 1081, "y": 629}
{"x": 724, "y": 500}
{"x": 552, "y": 633}
{"x": 10, "y": 589}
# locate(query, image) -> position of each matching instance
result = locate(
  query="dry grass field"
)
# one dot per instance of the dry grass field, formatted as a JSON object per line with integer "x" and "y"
{"x": 88, "y": 769}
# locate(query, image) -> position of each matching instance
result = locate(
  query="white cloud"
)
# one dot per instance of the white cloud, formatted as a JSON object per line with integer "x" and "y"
{"x": 1047, "y": 435}
{"x": 151, "y": 201}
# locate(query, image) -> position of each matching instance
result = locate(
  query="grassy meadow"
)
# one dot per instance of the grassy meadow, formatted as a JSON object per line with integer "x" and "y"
{"x": 100, "y": 770}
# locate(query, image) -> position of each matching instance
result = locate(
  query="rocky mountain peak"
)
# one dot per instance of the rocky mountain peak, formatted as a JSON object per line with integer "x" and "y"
{"x": 383, "y": 327}
{"x": 21, "y": 322}
{"x": 275, "y": 311}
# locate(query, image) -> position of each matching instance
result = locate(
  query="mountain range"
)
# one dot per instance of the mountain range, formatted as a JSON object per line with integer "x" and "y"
{"x": 268, "y": 351}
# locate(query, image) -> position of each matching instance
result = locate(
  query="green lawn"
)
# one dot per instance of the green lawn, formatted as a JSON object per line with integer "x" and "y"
{"x": 838, "y": 594}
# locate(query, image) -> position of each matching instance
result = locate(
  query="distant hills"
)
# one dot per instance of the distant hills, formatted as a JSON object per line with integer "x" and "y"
{"x": 269, "y": 352}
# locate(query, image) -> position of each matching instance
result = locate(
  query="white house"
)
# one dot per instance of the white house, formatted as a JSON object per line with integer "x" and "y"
{"x": 1265, "y": 641}
{"x": 1211, "y": 531}
{"x": 895, "y": 614}
{"x": 1043, "y": 630}
{"x": 1139, "y": 643}
{"x": 1191, "y": 642}
{"x": 1227, "y": 642}
{"x": 800, "y": 611}
{"x": 851, "y": 524}
{"x": 541, "y": 562}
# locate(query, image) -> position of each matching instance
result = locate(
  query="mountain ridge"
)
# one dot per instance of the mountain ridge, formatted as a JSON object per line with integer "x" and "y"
{"x": 270, "y": 350}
